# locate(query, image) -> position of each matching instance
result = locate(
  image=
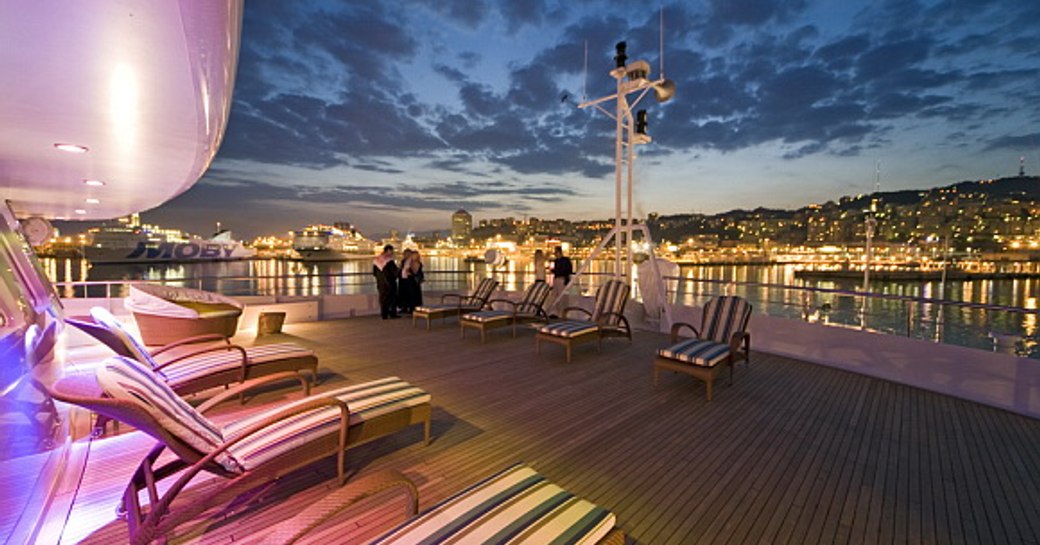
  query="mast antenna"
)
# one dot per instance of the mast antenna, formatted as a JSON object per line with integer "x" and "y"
{"x": 585, "y": 74}
{"x": 660, "y": 58}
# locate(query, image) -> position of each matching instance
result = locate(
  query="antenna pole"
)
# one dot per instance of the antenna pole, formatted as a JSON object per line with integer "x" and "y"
{"x": 585, "y": 74}
{"x": 660, "y": 58}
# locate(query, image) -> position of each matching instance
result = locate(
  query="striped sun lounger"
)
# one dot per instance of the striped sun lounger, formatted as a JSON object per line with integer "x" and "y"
{"x": 192, "y": 369}
{"x": 246, "y": 453}
{"x": 721, "y": 340}
{"x": 606, "y": 319}
{"x": 514, "y": 506}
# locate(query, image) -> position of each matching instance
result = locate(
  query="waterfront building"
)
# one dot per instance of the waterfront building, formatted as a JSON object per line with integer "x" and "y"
{"x": 461, "y": 227}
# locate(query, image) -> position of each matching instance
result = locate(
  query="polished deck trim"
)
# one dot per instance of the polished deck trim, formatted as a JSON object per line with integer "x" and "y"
{"x": 791, "y": 452}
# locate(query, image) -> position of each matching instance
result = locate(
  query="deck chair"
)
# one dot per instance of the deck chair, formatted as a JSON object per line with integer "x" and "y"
{"x": 529, "y": 308}
{"x": 197, "y": 369}
{"x": 516, "y": 505}
{"x": 244, "y": 454}
{"x": 462, "y": 303}
{"x": 721, "y": 340}
{"x": 606, "y": 319}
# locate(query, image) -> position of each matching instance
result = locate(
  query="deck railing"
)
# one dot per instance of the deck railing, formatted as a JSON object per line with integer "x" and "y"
{"x": 978, "y": 325}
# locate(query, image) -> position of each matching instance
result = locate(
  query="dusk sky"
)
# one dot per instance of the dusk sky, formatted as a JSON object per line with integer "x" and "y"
{"x": 393, "y": 114}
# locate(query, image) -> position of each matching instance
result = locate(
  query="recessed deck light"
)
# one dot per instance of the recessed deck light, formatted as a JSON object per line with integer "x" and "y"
{"x": 95, "y": 183}
{"x": 93, "y": 201}
{"x": 71, "y": 148}
{"x": 80, "y": 211}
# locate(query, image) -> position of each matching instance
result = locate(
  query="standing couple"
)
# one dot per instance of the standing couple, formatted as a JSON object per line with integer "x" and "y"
{"x": 399, "y": 287}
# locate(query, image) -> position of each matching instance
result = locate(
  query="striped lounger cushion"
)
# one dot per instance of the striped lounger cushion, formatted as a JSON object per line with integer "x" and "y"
{"x": 697, "y": 351}
{"x": 570, "y": 328}
{"x": 433, "y": 309}
{"x": 486, "y": 316}
{"x": 130, "y": 380}
{"x": 517, "y": 505}
{"x": 366, "y": 401}
{"x": 216, "y": 362}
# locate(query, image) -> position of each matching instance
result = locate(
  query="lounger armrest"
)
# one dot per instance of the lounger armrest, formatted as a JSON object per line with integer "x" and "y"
{"x": 243, "y": 387}
{"x": 536, "y": 310}
{"x": 446, "y": 296}
{"x": 738, "y": 338}
{"x": 159, "y": 509}
{"x": 509, "y": 302}
{"x": 217, "y": 348}
{"x": 191, "y": 340}
{"x": 335, "y": 503}
{"x": 677, "y": 327}
{"x": 623, "y": 322}
{"x": 567, "y": 311}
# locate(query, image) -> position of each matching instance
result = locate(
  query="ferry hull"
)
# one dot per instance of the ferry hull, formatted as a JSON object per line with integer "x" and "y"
{"x": 328, "y": 255}
{"x": 169, "y": 253}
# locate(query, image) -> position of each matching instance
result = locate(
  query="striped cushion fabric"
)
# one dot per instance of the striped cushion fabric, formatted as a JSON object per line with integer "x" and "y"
{"x": 534, "y": 298}
{"x": 569, "y": 328}
{"x": 366, "y": 401}
{"x": 484, "y": 289}
{"x": 486, "y": 316}
{"x": 215, "y": 362}
{"x": 133, "y": 346}
{"x": 130, "y": 380}
{"x": 724, "y": 316}
{"x": 434, "y": 309}
{"x": 610, "y": 297}
{"x": 697, "y": 352}
{"x": 516, "y": 505}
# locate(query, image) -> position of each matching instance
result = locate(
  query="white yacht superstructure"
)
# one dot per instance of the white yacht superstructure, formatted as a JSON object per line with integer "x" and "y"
{"x": 109, "y": 108}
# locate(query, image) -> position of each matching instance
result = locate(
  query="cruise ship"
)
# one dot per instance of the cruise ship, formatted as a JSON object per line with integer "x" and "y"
{"x": 129, "y": 241}
{"x": 827, "y": 435}
{"x": 337, "y": 242}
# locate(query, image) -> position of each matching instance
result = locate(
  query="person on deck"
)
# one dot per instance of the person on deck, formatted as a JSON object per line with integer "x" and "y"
{"x": 412, "y": 277}
{"x": 561, "y": 269}
{"x": 386, "y": 272}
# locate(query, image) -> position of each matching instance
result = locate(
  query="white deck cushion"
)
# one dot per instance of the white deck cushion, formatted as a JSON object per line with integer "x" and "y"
{"x": 516, "y": 505}
{"x": 697, "y": 351}
{"x": 569, "y": 328}
{"x": 366, "y": 401}
{"x": 486, "y": 316}
{"x": 216, "y": 362}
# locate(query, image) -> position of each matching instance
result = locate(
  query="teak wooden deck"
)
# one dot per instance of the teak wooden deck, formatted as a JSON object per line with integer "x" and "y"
{"x": 791, "y": 452}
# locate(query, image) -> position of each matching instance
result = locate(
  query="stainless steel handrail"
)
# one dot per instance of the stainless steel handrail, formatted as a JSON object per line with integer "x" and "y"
{"x": 868, "y": 294}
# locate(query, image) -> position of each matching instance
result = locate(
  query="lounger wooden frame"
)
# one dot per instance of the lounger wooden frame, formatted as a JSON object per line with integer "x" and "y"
{"x": 465, "y": 303}
{"x": 160, "y": 517}
{"x": 516, "y": 319}
{"x": 739, "y": 349}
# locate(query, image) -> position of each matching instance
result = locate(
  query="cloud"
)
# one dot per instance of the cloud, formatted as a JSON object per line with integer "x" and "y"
{"x": 1024, "y": 142}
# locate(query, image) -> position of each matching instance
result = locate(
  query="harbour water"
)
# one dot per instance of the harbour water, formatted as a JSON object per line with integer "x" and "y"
{"x": 962, "y": 325}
